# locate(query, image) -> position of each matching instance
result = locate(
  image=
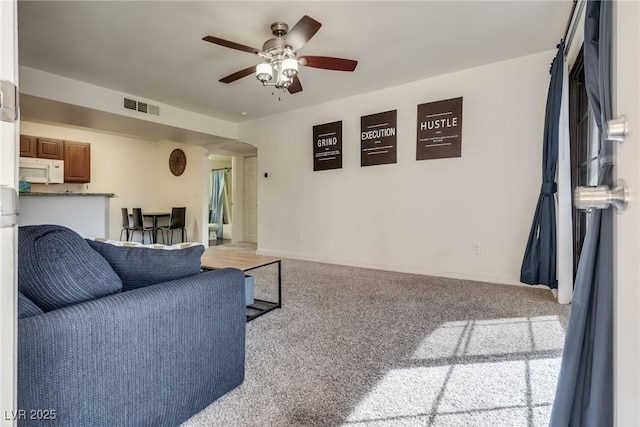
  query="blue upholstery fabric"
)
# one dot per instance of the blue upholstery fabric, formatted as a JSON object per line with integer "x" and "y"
{"x": 153, "y": 356}
{"x": 57, "y": 267}
{"x": 26, "y": 307}
{"x": 138, "y": 267}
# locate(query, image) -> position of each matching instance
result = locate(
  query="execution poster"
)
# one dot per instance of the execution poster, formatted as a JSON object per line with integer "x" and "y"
{"x": 378, "y": 139}
{"x": 439, "y": 132}
{"x": 327, "y": 146}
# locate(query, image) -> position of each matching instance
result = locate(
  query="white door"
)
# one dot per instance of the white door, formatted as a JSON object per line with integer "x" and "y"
{"x": 8, "y": 230}
{"x": 251, "y": 199}
{"x": 626, "y": 88}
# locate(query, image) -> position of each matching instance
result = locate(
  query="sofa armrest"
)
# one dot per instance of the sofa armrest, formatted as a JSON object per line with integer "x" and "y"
{"x": 150, "y": 356}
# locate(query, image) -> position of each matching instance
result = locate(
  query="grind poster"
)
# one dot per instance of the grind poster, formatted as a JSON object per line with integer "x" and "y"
{"x": 439, "y": 132}
{"x": 378, "y": 139}
{"x": 327, "y": 146}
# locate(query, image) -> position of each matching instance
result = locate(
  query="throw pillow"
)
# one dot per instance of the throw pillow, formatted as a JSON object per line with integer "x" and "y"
{"x": 142, "y": 265}
{"x": 57, "y": 267}
{"x": 26, "y": 307}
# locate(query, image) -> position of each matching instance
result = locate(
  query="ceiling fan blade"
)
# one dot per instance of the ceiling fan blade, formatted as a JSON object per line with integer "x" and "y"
{"x": 238, "y": 75}
{"x": 232, "y": 45}
{"x": 302, "y": 32}
{"x": 295, "y": 86}
{"x": 328, "y": 63}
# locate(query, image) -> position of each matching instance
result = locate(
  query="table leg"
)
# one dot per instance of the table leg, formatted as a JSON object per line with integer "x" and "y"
{"x": 279, "y": 284}
{"x": 155, "y": 229}
{"x": 263, "y": 306}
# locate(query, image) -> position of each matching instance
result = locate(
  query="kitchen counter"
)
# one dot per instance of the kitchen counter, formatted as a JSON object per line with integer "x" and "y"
{"x": 85, "y": 213}
{"x": 67, "y": 194}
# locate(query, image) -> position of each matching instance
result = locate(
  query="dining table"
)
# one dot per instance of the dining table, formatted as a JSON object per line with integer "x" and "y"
{"x": 154, "y": 216}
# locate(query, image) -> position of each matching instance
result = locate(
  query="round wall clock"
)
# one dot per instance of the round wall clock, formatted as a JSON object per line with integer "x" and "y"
{"x": 177, "y": 162}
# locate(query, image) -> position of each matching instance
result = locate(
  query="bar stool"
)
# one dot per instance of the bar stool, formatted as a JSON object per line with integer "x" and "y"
{"x": 177, "y": 221}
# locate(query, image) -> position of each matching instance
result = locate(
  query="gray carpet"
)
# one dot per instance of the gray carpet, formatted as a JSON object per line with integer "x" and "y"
{"x": 357, "y": 347}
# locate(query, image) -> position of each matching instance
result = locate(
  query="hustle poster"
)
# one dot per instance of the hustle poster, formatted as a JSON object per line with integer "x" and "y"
{"x": 439, "y": 133}
{"x": 327, "y": 146}
{"x": 378, "y": 139}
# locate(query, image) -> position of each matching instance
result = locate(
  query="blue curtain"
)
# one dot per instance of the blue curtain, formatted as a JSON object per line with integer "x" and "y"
{"x": 216, "y": 206}
{"x": 539, "y": 262}
{"x": 584, "y": 396}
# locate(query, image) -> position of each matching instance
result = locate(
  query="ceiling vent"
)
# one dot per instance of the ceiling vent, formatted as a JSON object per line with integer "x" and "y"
{"x": 140, "y": 106}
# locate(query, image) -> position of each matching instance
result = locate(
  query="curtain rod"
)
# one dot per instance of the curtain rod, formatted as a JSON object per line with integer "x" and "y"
{"x": 574, "y": 16}
{"x": 573, "y": 10}
{"x": 221, "y": 169}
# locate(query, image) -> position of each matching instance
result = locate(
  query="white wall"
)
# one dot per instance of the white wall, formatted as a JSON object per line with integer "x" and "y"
{"x": 137, "y": 171}
{"x": 188, "y": 189}
{"x": 414, "y": 216}
{"x": 219, "y": 161}
{"x": 51, "y": 86}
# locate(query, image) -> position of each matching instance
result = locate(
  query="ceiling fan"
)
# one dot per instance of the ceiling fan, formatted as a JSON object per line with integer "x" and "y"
{"x": 280, "y": 68}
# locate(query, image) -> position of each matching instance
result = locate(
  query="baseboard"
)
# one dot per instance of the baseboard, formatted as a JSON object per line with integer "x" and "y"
{"x": 395, "y": 268}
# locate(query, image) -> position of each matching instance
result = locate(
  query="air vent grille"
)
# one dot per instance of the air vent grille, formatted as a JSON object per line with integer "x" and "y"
{"x": 154, "y": 109}
{"x": 140, "y": 106}
{"x": 130, "y": 104}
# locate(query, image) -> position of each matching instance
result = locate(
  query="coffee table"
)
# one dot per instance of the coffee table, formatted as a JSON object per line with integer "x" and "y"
{"x": 213, "y": 260}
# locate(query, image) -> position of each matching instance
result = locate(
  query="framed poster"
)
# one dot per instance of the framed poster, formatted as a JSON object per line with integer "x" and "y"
{"x": 378, "y": 139}
{"x": 439, "y": 132}
{"x": 327, "y": 146}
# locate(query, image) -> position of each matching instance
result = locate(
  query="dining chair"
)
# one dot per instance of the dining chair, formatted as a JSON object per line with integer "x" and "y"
{"x": 126, "y": 226}
{"x": 138, "y": 225}
{"x": 177, "y": 221}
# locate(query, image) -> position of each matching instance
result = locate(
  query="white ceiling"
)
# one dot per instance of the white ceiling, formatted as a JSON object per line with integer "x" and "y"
{"x": 154, "y": 49}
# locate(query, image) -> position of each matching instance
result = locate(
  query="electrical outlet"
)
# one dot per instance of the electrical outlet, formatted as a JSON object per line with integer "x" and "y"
{"x": 300, "y": 235}
{"x": 475, "y": 248}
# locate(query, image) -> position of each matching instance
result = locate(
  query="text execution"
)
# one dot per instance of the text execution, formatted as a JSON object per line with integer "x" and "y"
{"x": 378, "y": 133}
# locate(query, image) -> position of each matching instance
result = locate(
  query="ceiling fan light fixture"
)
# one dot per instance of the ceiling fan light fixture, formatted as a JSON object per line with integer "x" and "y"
{"x": 280, "y": 66}
{"x": 289, "y": 67}
{"x": 264, "y": 72}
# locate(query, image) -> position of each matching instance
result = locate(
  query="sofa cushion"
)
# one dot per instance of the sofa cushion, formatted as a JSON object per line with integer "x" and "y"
{"x": 57, "y": 267}
{"x": 142, "y": 265}
{"x": 26, "y": 307}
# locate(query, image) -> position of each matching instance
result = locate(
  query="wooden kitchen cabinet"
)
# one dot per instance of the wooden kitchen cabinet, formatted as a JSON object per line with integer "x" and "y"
{"x": 77, "y": 161}
{"x": 48, "y": 148}
{"x": 28, "y": 146}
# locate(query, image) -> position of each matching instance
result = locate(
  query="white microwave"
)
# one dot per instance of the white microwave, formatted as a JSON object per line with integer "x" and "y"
{"x": 41, "y": 171}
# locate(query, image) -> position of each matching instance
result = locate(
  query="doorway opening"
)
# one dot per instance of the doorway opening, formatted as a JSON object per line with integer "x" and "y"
{"x": 220, "y": 199}
{"x": 229, "y": 208}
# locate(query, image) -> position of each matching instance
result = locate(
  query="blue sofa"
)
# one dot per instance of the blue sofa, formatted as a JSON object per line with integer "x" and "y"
{"x": 97, "y": 347}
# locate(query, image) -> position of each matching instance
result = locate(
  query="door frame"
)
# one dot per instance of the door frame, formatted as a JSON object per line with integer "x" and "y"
{"x": 8, "y": 236}
{"x": 626, "y": 93}
{"x": 247, "y": 216}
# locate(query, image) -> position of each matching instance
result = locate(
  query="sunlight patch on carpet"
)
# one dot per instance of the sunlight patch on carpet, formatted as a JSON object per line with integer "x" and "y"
{"x": 402, "y": 393}
{"x": 500, "y": 372}
{"x": 477, "y": 394}
{"x": 483, "y": 337}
